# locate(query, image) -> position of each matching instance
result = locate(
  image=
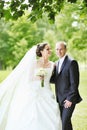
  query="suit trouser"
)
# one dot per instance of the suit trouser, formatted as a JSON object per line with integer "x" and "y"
{"x": 66, "y": 114}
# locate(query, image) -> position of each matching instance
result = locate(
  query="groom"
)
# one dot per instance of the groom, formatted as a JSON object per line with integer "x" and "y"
{"x": 66, "y": 79}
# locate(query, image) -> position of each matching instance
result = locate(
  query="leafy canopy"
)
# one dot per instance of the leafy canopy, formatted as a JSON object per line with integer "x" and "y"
{"x": 13, "y": 9}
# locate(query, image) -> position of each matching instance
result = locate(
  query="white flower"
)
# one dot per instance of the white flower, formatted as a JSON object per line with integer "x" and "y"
{"x": 41, "y": 72}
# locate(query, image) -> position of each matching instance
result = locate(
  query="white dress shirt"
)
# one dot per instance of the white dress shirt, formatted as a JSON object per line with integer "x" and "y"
{"x": 60, "y": 63}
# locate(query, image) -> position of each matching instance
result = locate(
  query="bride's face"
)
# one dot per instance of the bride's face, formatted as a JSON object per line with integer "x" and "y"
{"x": 46, "y": 51}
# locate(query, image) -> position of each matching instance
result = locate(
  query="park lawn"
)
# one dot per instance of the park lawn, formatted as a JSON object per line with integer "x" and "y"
{"x": 4, "y": 74}
{"x": 79, "y": 118}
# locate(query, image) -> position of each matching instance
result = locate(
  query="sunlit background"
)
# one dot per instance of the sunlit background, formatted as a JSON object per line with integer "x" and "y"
{"x": 19, "y": 34}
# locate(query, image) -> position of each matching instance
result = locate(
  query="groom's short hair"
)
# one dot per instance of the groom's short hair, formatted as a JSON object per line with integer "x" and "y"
{"x": 62, "y": 42}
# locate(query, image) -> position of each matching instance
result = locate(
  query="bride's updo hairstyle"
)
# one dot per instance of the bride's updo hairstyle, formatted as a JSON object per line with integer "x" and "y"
{"x": 40, "y": 47}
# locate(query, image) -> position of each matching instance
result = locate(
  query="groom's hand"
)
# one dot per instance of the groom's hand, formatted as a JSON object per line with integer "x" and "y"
{"x": 67, "y": 104}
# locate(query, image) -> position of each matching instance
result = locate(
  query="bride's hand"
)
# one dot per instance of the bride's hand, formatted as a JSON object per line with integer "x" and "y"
{"x": 41, "y": 77}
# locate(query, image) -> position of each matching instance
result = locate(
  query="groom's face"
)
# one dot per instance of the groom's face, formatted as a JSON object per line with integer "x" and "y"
{"x": 60, "y": 50}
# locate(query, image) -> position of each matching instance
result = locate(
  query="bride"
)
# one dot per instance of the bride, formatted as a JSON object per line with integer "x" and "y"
{"x": 24, "y": 103}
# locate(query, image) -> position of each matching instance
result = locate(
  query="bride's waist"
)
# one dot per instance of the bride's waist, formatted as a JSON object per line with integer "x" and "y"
{"x": 35, "y": 89}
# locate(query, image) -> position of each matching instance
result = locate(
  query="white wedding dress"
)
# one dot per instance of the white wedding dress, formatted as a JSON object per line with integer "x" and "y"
{"x": 30, "y": 106}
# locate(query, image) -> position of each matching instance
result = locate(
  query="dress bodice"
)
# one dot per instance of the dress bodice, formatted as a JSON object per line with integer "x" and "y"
{"x": 46, "y": 77}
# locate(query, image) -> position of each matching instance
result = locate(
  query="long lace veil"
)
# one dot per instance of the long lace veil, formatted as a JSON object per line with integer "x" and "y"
{"x": 21, "y": 75}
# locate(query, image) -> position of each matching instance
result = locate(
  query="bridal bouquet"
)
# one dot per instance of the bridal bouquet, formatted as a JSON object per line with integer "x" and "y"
{"x": 41, "y": 72}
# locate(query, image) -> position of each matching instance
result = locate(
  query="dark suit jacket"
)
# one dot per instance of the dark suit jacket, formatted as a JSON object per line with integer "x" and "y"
{"x": 67, "y": 81}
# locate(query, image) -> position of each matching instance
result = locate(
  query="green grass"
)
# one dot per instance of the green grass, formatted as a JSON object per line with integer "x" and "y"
{"x": 3, "y": 75}
{"x": 79, "y": 118}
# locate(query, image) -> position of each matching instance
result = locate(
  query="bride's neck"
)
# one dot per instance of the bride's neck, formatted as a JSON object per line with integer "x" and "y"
{"x": 44, "y": 60}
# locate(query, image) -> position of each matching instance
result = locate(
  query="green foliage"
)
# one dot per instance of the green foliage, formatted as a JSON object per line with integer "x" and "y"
{"x": 71, "y": 26}
{"x": 4, "y": 43}
{"x": 18, "y": 36}
{"x": 16, "y": 8}
{"x": 16, "y": 39}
